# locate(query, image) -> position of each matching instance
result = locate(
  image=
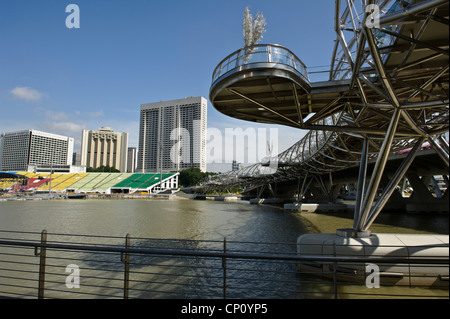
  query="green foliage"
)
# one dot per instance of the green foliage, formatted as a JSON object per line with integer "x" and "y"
{"x": 192, "y": 176}
{"x": 102, "y": 169}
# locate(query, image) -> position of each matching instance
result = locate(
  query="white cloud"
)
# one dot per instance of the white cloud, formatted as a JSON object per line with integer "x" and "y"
{"x": 90, "y": 114}
{"x": 26, "y": 93}
{"x": 64, "y": 128}
{"x": 56, "y": 116}
{"x": 96, "y": 114}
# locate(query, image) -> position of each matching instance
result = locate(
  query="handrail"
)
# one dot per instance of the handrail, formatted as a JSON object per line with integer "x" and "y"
{"x": 157, "y": 269}
{"x": 250, "y": 50}
{"x": 188, "y": 253}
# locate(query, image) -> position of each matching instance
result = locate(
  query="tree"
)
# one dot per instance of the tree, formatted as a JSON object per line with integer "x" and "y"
{"x": 192, "y": 176}
{"x": 102, "y": 169}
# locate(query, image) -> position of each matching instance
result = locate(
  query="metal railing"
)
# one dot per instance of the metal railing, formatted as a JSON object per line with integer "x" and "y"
{"x": 52, "y": 265}
{"x": 261, "y": 53}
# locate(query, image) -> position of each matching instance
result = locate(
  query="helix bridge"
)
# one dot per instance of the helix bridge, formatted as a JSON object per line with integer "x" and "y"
{"x": 387, "y": 92}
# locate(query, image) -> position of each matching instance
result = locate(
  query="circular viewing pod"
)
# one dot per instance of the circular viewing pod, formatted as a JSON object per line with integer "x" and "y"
{"x": 262, "y": 83}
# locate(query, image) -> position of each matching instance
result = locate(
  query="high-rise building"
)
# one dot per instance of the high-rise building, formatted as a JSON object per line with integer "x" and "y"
{"x": 172, "y": 135}
{"x": 104, "y": 148}
{"x": 132, "y": 159}
{"x": 31, "y": 150}
{"x": 76, "y": 159}
{"x": 235, "y": 166}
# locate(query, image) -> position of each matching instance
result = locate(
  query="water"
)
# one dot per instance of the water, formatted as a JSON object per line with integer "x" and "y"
{"x": 190, "y": 219}
{"x": 174, "y": 219}
{"x": 205, "y": 224}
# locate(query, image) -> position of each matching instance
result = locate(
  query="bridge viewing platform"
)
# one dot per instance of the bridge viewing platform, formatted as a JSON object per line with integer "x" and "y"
{"x": 261, "y": 83}
{"x": 268, "y": 83}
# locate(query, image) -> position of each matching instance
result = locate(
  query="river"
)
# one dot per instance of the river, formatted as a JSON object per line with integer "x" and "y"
{"x": 195, "y": 220}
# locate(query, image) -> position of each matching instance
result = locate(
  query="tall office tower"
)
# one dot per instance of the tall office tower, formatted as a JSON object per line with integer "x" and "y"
{"x": 27, "y": 150}
{"x": 172, "y": 135}
{"x": 76, "y": 159}
{"x": 104, "y": 148}
{"x": 132, "y": 159}
{"x": 235, "y": 166}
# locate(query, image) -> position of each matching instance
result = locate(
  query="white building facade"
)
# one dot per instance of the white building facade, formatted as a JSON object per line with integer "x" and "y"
{"x": 172, "y": 135}
{"x": 30, "y": 150}
{"x": 104, "y": 148}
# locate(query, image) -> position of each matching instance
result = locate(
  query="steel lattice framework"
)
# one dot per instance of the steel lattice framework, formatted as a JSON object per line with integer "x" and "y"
{"x": 387, "y": 91}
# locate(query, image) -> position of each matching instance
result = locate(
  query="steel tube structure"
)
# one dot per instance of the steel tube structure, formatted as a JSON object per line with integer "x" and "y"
{"x": 395, "y": 180}
{"x": 387, "y": 91}
{"x": 361, "y": 184}
{"x": 413, "y": 10}
{"x": 378, "y": 171}
{"x": 440, "y": 150}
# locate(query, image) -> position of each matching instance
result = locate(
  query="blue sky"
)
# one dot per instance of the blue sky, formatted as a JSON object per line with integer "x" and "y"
{"x": 127, "y": 53}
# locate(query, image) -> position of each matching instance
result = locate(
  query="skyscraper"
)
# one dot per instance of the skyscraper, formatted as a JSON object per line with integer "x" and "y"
{"x": 132, "y": 159}
{"x": 172, "y": 135}
{"x": 104, "y": 148}
{"x": 30, "y": 150}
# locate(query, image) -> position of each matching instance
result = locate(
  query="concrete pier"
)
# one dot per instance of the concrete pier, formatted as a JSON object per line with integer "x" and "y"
{"x": 273, "y": 201}
{"x": 379, "y": 245}
{"x": 221, "y": 198}
{"x": 316, "y": 207}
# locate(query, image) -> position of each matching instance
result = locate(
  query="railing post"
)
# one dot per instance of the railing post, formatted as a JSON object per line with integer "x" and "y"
{"x": 224, "y": 267}
{"x": 42, "y": 253}
{"x": 335, "y": 266}
{"x": 125, "y": 258}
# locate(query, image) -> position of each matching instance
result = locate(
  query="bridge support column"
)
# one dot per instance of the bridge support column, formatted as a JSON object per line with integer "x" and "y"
{"x": 394, "y": 181}
{"x": 372, "y": 189}
{"x": 366, "y": 214}
{"x": 441, "y": 150}
{"x": 422, "y": 199}
{"x": 420, "y": 187}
